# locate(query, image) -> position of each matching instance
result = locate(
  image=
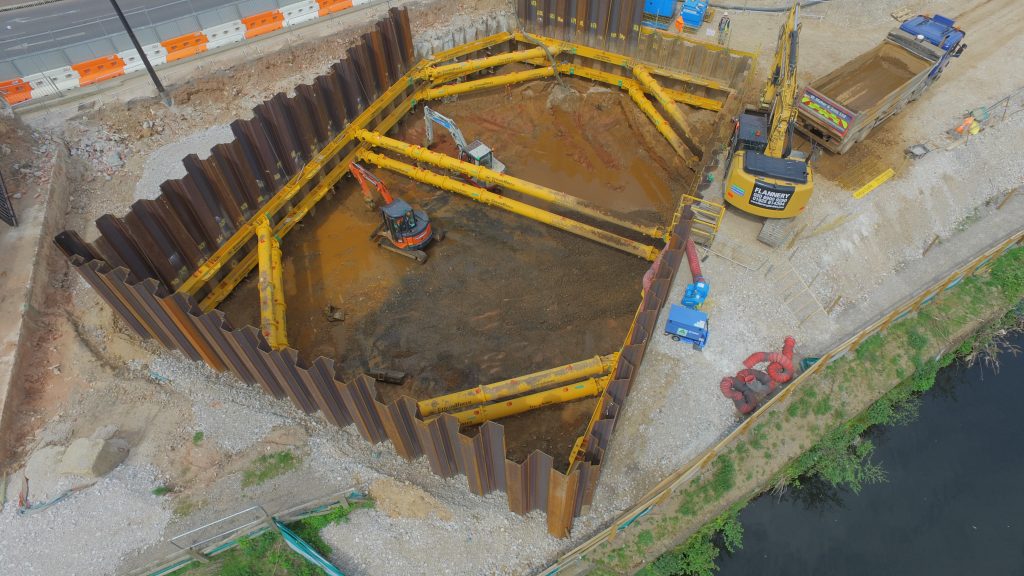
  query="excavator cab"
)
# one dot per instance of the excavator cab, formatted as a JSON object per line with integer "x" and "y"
{"x": 409, "y": 228}
{"x": 481, "y": 154}
{"x": 403, "y": 229}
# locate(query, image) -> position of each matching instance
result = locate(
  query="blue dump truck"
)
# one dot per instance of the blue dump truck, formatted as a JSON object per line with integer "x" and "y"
{"x": 840, "y": 109}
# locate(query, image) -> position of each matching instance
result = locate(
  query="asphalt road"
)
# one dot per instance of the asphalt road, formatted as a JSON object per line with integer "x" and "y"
{"x": 59, "y": 24}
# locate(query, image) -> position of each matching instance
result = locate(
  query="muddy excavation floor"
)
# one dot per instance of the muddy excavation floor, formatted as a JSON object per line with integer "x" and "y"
{"x": 501, "y": 295}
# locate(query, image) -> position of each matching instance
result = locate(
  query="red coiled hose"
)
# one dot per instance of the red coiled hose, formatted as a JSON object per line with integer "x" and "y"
{"x": 694, "y": 258}
{"x": 728, "y": 386}
{"x": 755, "y": 359}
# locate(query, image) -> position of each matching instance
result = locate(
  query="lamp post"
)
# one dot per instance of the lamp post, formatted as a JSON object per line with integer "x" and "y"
{"x": 138, "y": 48}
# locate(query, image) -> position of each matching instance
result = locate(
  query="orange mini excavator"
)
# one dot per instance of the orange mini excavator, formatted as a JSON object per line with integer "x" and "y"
{"x": 403, "y": 230}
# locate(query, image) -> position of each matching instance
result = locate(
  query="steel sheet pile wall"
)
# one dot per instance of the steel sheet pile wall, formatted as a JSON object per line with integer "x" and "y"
{"x": 694, "y": 57}
{"x": 139, "y": 261}
{"x": 168, "y": 238}
{"x": 614, "y": 25}
{"x": 606, "y": 24}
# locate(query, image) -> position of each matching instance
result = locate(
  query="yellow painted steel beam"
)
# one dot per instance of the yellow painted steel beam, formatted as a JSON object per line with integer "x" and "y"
{"x": 242, "y": 269}
{"x": 585, "y": 389}
{"x": 640, "y": 98}
{"x": 651, "y": 86}
{"x": 483, "y": 196}
{"x": 625, "y": 83}
{"x": 565, "y": 69}
{"x": 620, "y": 60}
{"x": 209, "y": 268}
{"x": 469, "y": 66}
{"x": 484, "y": 83}
{"x": 270, "y": 286}
{"x": 421, "y": 154}
{"x": 596, "y": 366}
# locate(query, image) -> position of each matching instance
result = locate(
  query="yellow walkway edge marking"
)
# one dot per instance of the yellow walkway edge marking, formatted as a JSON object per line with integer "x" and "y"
{"x": 875, "y": 183}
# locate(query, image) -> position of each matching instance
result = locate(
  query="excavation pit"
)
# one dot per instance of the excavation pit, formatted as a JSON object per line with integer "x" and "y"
{"x": 502, "y": 295}
{"x": 534, "y": 286}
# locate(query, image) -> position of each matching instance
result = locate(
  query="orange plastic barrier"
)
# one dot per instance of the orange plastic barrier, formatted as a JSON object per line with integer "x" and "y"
{"x": 263, "y": 22}
{"x": 99, "y": 69}
{"x": 184, "y": 46}
{"x": 15, "y": 91}
{"x": 329, "y": 6}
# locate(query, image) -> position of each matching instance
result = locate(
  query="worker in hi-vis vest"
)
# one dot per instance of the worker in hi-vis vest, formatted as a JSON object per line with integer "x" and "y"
{"x": 679, "y": 23}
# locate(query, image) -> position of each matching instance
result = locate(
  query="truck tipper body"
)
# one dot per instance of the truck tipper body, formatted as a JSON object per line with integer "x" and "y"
{"x": 840, "y": 109}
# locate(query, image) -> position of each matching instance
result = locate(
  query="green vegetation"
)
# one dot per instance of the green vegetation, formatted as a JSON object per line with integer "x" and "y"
{"x": 185, "y": 506}
{"x": 267, "y": 554}
{"x": 162, "y": 490}
{"x": 197, "y": 437}
{"x": 269, "y": 466}
{"x": 843, "y": 456}
{"x": 698, "y": 555}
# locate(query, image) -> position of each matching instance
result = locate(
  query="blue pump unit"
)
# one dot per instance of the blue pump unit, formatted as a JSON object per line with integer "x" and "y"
{"x": 693, "y": 13}
{"x": 658, "y": 13}
{"x": 686, "y": 323}
{"x": 696, "y": 293}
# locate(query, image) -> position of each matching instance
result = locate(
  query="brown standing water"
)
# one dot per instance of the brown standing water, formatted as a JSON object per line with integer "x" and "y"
{"x": 502, "y": 295}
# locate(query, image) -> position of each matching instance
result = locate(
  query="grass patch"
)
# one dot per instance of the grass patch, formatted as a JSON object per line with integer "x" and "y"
{"x": 697, "y": 556}
{"x": 185, "y": 506}
{"x": 267, "y": 554}
{"x": 269, "y": 466}
{"x": 197, "y": 438}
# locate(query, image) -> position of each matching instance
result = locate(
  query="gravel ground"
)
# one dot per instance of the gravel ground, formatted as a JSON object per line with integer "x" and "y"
{"x": 675, "y": 410}
{"x": 165, "y": 162}
{"x": 78, "y": 536}
{"x": 231, "y": 414}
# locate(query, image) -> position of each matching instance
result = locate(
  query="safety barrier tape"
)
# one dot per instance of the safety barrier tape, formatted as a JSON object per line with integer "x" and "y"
{"x": 58, "y": 80}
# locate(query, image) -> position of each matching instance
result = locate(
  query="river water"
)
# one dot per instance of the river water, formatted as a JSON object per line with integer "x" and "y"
{"x": 953, "y": 502}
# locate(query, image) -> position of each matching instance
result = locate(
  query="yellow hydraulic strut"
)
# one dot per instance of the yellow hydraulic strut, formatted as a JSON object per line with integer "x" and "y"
{"x": 585, "y": 389}
{"x": 595, "y": 366}
{"x": 480, "y": 195}
{"x": 469, "y": 66}
{"x": 482, "y": 173}
{"x": 651, "y": 85}
{"x": 271, "y": 287}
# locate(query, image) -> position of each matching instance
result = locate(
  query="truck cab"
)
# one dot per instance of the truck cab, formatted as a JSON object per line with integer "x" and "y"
{"x": 935, "y": 38}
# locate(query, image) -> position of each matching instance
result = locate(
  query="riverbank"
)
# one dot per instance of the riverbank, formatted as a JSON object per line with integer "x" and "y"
{"x": 949, "y": 501}
{"x": 816, "y": 426}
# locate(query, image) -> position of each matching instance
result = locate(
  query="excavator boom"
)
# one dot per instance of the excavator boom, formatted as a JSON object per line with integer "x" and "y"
{"x": 779, "y": 93}
{"x": 430, "y": 116}
{"x": 366, "y": 180}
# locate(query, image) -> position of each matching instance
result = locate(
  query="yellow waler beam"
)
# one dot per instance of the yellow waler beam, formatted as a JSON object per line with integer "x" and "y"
{"x": 638, "y": 96}
{"x": 596, "y": 366}
{"x": 484, "y": 83}
{"x": 651, "y": 86}
{"x": 537, "y": 191}
{"x": 209, "y": 268}
{"x": 480, "y": 414}
{"x": 483, "y": 196}
{"x": 242, "y": 269}
{"x": 270, "y": 286}
{"x": 574, "y": 70}
{"x": 618, "y": 60}
{"x": 469, "y": 66}
{"x": 625, "y": 83}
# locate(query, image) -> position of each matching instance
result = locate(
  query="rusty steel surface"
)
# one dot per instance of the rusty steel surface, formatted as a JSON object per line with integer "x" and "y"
{"x": 139, "y": 260}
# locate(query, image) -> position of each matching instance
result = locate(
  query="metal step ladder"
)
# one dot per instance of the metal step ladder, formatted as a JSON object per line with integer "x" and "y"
{"x": 707, "y": 218}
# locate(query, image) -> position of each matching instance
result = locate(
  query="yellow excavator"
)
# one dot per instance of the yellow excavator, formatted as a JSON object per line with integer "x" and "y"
{"x": 765, "y": 176}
